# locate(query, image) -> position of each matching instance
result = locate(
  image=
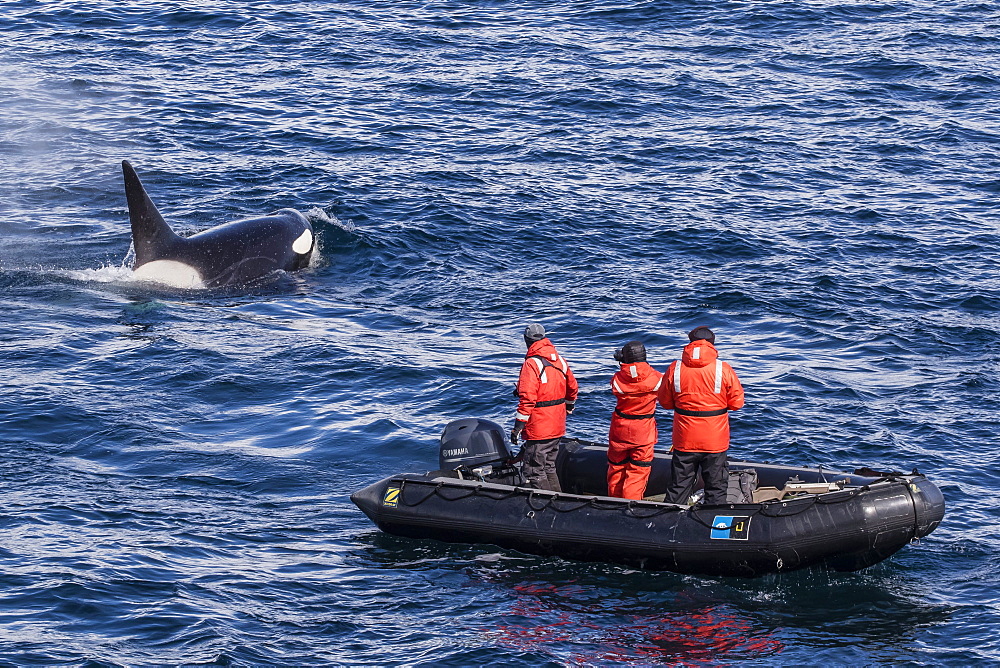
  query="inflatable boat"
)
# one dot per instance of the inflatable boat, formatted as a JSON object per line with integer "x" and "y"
{"x": 777, "y": 518}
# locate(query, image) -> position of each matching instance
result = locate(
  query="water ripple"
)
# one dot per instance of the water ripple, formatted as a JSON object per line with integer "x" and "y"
{"x": 814, "y": 180}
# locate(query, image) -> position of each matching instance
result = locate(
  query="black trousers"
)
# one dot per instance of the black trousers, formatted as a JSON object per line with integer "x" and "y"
{"x": 539, "y": 465}
{"x": 714, "y": 469}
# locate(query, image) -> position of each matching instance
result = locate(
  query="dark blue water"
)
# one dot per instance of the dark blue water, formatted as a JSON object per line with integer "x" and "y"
{"x": 816, "y": 181}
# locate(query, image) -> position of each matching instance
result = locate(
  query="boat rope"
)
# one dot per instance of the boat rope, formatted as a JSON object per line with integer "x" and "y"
{"x": 402, "y": 496}
{"x": 656, "y": 510}
{"x": 798, "y": 508}
{"x": 770, "y": 509}
{"x": 496, "y": 495}
{"x": 697, "y": 518}
{"x": 592, "y": 501}
{"x": 531, "y": 496}
{"x": 471, "y": 492}
{"x": 779, "y": 508}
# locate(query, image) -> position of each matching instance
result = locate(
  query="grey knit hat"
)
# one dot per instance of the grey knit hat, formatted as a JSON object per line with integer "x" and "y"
{"x": 534, "y": 332}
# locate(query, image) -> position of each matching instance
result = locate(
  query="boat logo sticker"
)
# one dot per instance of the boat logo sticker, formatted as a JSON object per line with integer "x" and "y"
{"x": 731, "y": 527}
{"x": 391, "y": 497}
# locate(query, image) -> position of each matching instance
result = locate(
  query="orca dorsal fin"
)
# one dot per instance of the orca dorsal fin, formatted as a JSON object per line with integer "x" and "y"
{"x": 151, "y": 236}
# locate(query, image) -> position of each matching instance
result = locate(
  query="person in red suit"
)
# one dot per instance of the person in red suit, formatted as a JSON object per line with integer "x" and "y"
{"x": 700, "y": 389}
{"x": 633, "y": 435}
{"x": 547, "y": 392}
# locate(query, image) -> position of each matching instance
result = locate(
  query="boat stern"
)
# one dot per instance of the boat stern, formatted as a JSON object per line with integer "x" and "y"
{"x": 928, "y": 505}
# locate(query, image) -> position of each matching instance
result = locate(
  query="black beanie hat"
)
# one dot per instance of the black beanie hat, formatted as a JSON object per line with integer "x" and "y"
{"x": 633, "y": 351}
{"x": 702, "y": 332}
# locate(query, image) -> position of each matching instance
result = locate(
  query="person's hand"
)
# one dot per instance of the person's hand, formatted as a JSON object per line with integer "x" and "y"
{"x": 570, "y": 405}
{"x": 515, "y": 433}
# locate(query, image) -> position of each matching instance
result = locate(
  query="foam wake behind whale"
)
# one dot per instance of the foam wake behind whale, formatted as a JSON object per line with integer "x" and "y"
{"x": 234, "y": 253}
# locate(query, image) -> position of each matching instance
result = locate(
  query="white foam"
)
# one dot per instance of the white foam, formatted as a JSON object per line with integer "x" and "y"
{"x": 108, "y": 274}
{"x": 317, "y": 214}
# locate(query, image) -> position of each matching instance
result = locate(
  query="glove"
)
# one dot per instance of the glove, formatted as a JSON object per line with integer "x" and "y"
{"x": 516, "y": 431}
{"x": 570, "y": 405}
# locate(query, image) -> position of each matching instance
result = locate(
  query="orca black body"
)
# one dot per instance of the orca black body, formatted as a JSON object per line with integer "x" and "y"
{"x": 235, "y": 253}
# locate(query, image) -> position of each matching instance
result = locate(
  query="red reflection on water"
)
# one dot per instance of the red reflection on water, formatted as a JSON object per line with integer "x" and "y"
{"x": 701, "y": 635}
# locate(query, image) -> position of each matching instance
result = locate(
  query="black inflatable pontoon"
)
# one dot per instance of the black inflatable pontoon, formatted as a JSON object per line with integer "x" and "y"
{"x": 780, "y": 518}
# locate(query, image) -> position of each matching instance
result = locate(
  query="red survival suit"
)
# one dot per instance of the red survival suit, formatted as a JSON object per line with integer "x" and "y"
{"x": 633, "y": 429}
{"x": 701, "y": 389}
{"x": 545, "y": 386}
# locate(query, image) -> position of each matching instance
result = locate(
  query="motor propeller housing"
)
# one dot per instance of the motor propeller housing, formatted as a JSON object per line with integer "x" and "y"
{"x": 472, "y": 443}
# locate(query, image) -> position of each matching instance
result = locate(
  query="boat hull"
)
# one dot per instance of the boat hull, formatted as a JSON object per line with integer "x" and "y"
{"x": 850, "y": 529}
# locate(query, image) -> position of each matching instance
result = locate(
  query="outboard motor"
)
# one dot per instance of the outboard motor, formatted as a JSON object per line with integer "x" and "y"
{"x": 477, "y": 450}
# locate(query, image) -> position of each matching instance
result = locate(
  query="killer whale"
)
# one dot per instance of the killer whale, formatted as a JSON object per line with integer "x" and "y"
{"x": 234, "y": 253}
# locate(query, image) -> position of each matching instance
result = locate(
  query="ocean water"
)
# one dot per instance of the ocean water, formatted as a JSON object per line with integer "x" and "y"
{"x": 817, "y": 181}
